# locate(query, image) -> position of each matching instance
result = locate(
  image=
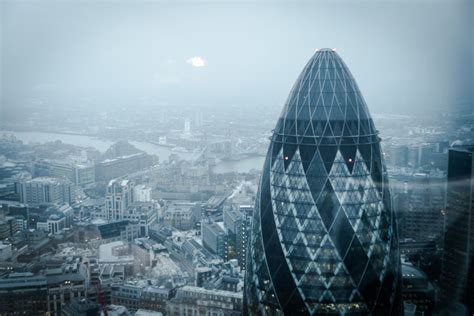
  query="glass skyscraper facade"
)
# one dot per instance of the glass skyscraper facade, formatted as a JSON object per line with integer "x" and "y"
{"x": 457, "y": 276}
{"x": 323, "y": 236}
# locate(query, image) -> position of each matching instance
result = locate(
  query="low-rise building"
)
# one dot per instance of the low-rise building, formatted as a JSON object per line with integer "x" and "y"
{"x": 23, "y": 294}
{"x": 65, "y": 284}
{"x": 417, "y": 289}
{"x": 180, "y": 215}
{"x": 45, "y": 190}
{"x": 196, "y": 301}
{"x": 5, "y": 252}
{"x": 78, "y": 173}
{"x": 81, "y": 307}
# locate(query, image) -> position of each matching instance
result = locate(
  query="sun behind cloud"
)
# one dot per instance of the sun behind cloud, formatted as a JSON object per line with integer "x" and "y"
{"x": 197, "y": 61}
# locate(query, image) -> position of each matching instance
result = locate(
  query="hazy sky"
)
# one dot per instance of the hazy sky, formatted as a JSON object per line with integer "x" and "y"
{"x": 406, "y": 55}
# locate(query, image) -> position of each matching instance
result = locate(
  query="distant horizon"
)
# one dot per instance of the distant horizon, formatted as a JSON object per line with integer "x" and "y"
{"x": 408, "y": 56}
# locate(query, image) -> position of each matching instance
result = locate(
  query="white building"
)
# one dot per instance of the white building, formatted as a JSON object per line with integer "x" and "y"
{"x": 119, "y": 197}
{"x": 142, "y": 193}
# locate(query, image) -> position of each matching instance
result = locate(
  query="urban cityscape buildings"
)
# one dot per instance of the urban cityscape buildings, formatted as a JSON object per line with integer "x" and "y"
{"x": 121, "y": 200}
{"x": 323, "y": 237}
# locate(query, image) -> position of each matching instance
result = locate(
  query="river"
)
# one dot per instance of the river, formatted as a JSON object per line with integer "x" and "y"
{"x": 162, "y": 152}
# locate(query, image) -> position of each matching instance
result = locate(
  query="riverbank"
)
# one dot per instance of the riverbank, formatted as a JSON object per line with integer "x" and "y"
{"x": 163, "y": 152}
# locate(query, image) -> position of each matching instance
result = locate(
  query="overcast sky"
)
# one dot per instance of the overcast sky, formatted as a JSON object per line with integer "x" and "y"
{"x": 406, "y": 55}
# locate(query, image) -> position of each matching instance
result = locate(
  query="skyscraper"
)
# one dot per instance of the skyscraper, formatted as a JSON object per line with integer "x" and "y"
{"x": 457, "y": 276}
{"x": 422, "y": 219}
{"x": 323, "y": 236}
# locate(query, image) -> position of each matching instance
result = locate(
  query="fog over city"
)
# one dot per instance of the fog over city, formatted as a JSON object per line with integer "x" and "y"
{"x": 408, "y": 56}
{"x": 251, "y": 157}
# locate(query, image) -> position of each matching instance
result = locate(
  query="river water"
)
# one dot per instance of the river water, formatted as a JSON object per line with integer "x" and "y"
{"x": 163, "y": 152}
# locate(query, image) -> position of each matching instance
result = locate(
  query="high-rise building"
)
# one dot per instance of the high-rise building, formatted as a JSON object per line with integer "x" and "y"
{"x": 119, "y": 197}
{"x": 323, "y": 237}
{"x": 422, "y": 217}
{"x": 457, "y": 276}
{"x": 214, "y": 237}
{"x": 236, "y": 225}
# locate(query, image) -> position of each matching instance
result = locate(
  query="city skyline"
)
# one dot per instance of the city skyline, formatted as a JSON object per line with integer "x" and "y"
{"x": 242, "y": 157}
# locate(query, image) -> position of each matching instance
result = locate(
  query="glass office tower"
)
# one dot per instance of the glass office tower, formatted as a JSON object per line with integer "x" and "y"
{"x": 323, "y": 236}
{"x": 457, "y": 275}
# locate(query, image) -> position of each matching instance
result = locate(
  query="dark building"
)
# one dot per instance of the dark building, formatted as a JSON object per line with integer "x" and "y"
{"x": 124, "y": 230}
{"x": 23, "y": 294}
{"x": 214, "y": 238}
{"x": 323, "y": 237}
{"x": 417, "y": 290}
{"x": 457, "y": 276}
{"x": 410, "y": 246}
{"x": 236, "y": 225}
{"x": 81, "y": 307}
{"x": 64, "y": 284}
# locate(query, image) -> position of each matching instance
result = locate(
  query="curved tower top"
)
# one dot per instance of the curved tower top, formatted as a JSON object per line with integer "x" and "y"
{"x": 323, "y": 236}
{"x": 325, "y": 102}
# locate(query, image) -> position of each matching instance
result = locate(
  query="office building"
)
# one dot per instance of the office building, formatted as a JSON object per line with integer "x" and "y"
{"x": 118, "y": 167}
{"x": 45, "y": 190}
{"x": 196, "y": 301}
{"x": 127, "y": 295}
{"x": 78, "y": 173}
{"x": 55, "y": 219}
{"x": 324, "y": 238}
{"x": 81, "y": 307}
{"x": 23, "y": 294}
{"x": 180, "y": 215}
{"x": 155, "y": 298}
{"x": 123, "y": 230}
{"x": 457, "y": 276}
{"x": 118, "y": 198}
{"x": 236, "y": 224}
{"x": 143, "y": 213}
{"x": 417, "y": 290}
{"x": 9, "y": 225}
{"x": 65, "y": 284}
{"x": 142, "y": 193}
{"x": 214, "y": 237}
{"x": 422, "y": 217}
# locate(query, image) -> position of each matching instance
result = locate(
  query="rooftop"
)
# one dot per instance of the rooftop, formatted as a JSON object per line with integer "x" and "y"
{"x": 195, "y": 289}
